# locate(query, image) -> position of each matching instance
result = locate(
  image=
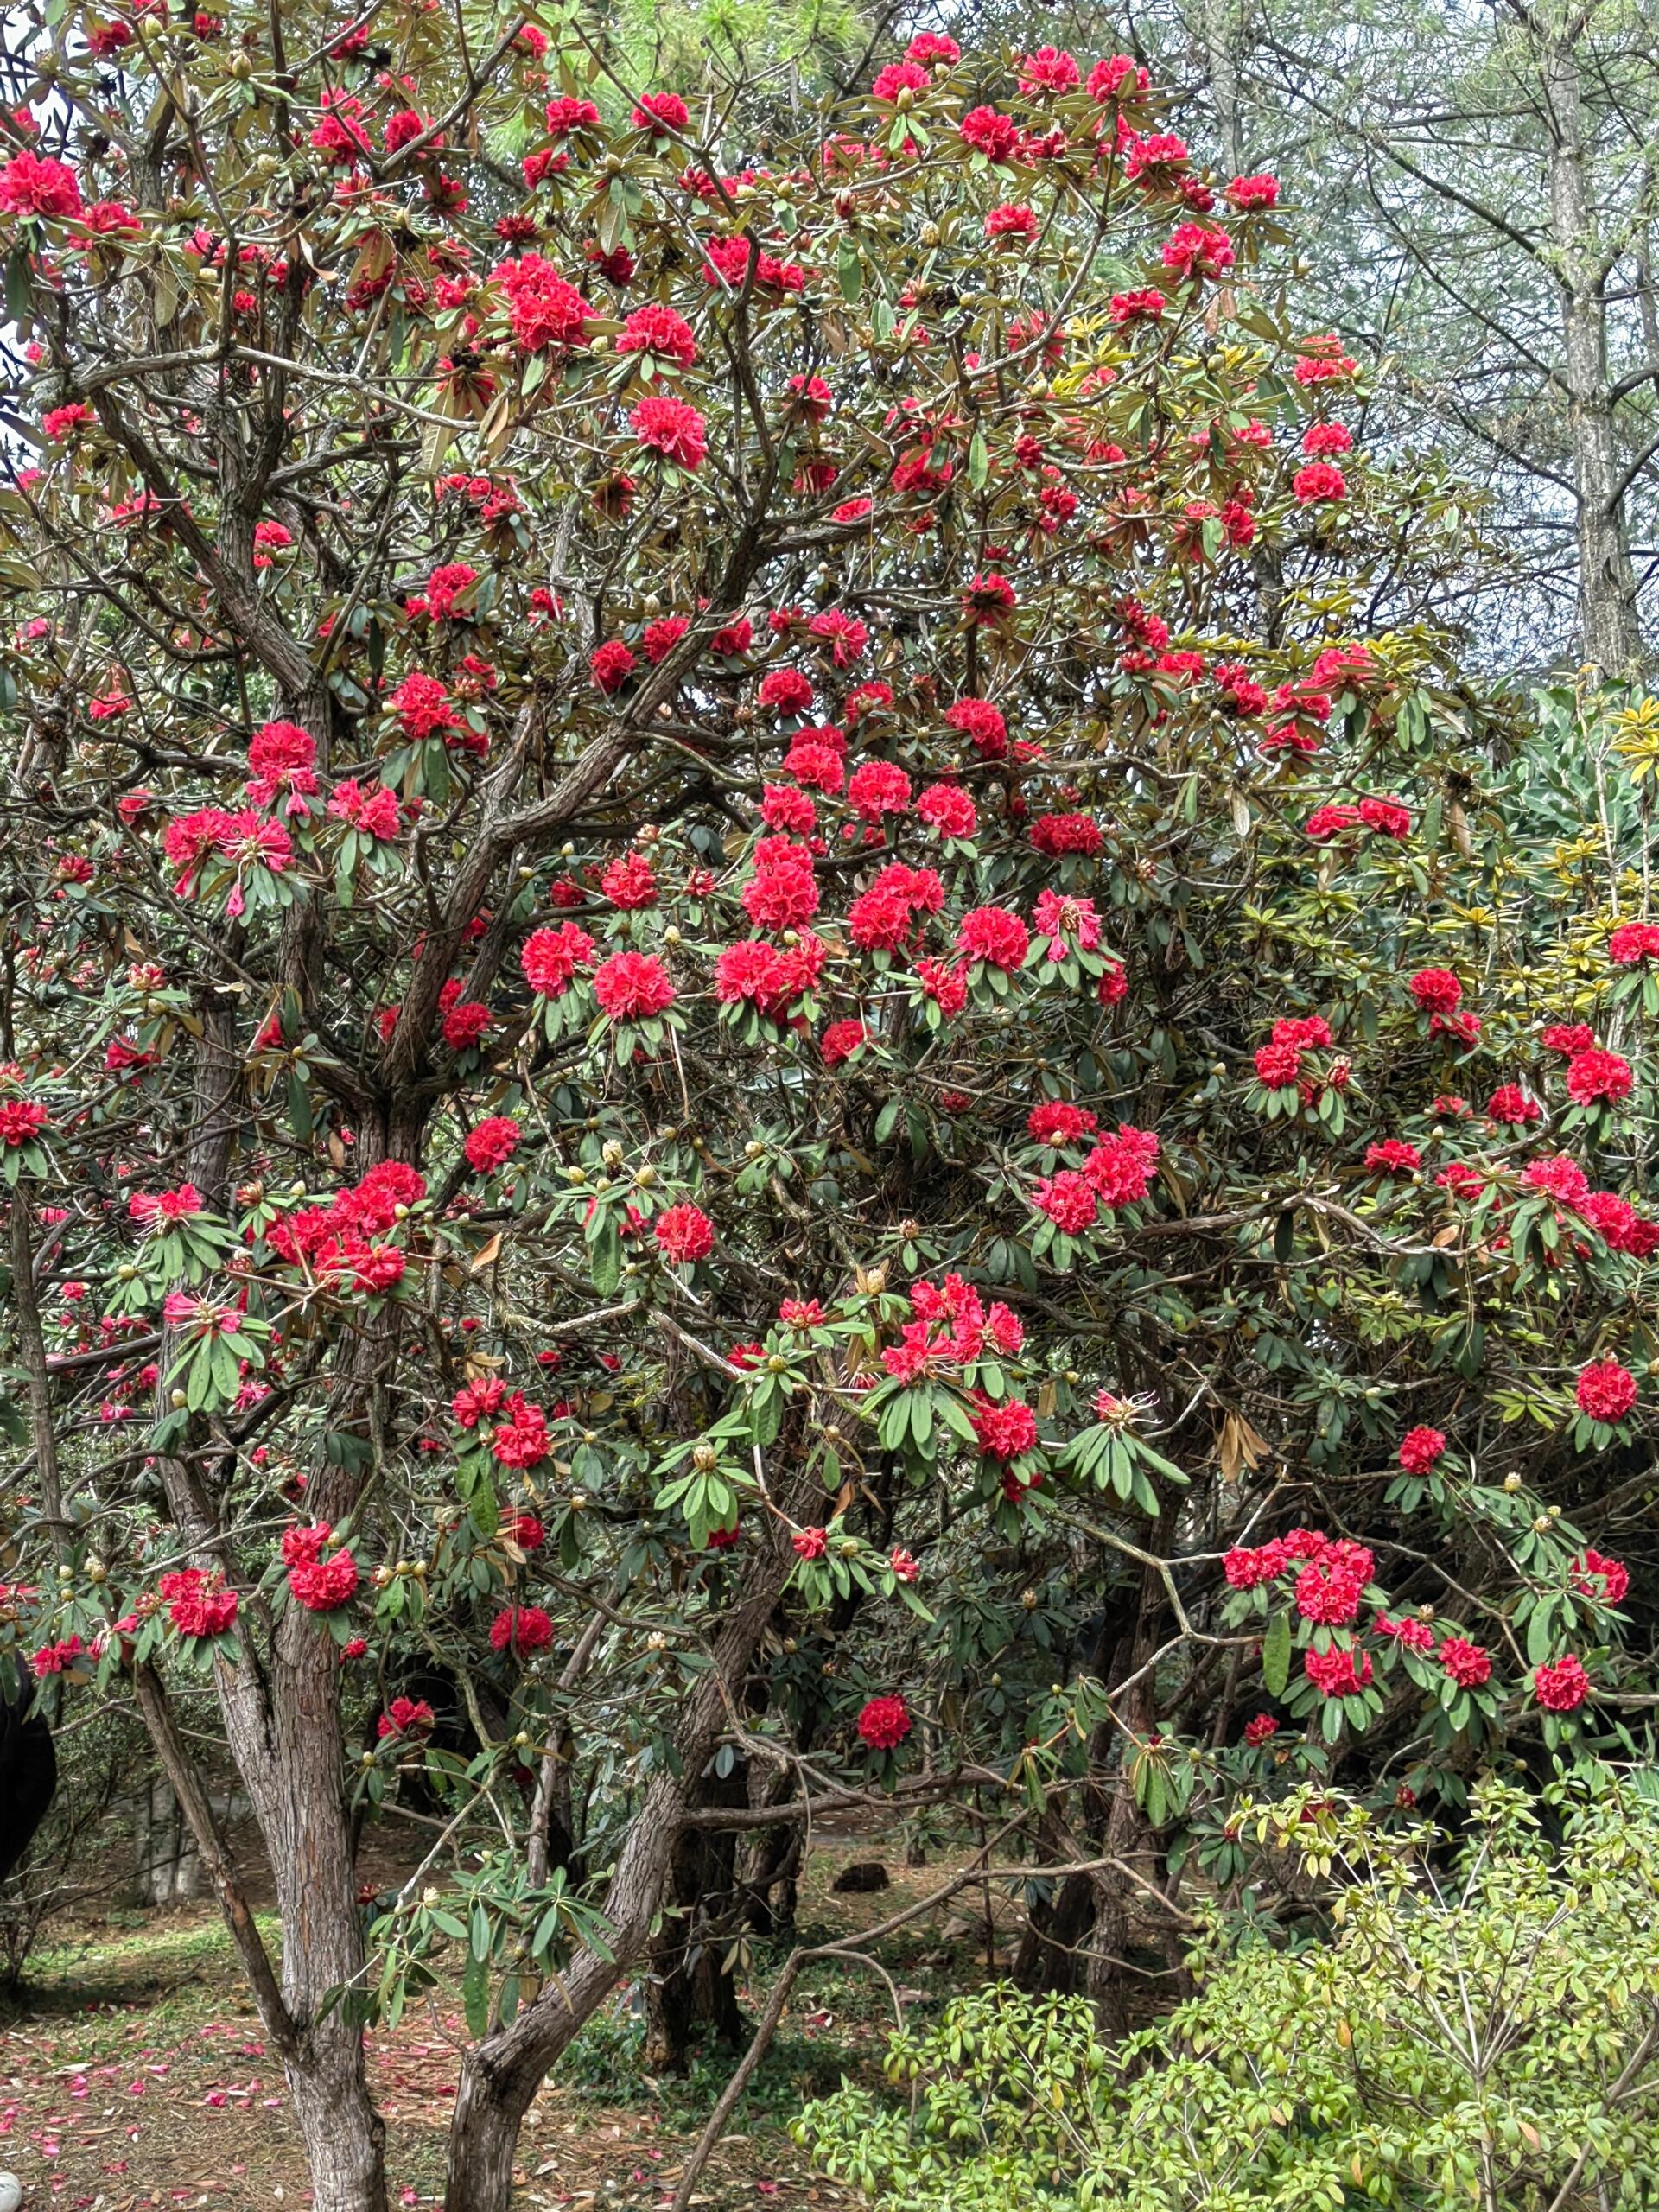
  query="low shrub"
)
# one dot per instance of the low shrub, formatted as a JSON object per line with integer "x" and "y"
{"x": 1485, "y": 2035}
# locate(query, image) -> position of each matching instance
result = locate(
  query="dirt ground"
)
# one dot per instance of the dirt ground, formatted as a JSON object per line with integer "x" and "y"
{"x": 135, "y": 2074}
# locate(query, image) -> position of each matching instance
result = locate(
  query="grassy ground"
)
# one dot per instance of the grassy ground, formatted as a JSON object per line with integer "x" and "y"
{"x": 134, "y": 2074}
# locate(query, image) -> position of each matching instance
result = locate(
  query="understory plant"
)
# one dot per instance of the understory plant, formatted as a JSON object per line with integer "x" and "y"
{"x": 1478, "y": 2034}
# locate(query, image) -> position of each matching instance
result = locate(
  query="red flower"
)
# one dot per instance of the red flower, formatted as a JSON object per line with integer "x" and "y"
{"x": 632, "y": 987}
{"x": 1327, "y": 821}
{"x": 1318, "y": 481}
{"x": 543, "y": 309}
{"x": 464, "y": 1023}
{"x": 1394, "y": 1156}
{"x": 1468, "y": 1664}
{"x": 684, "y": 1232}
{"x": 1386, "y": 816}
{"x": 1597, "y": 1075}
{"x": 787, "y": 690}
{"x": 1509, "y": 1103}
{"x": 898, "y": 77}
{"x": 521, "y": 1438}
{"x": 988, "y": 133}
{"x": 1337, "y": 1673}
{"x": 1436, "y": 990}
{"x": 1051, "y": 69}
{"x": 1245, "y": 191}
{"x": 404, "y": 1716}
{"x": 994, "y": 935}
{"x": 1605, "y": 1390}
{"x": 1568, "y": 1038}
{"x": 550, "y": 958}
{"x": 1068, "y": 1201}
{"x": 630, "y": 882}
{"x": 1197, "y": 252}
{"x": 20, "y": 1121}
{"x": 30, "y": 185}
{"x": 1419, "y": 1448}
{"x": 947, "y": 808}
{"x": 878, "y": 787}
{"x": 659, "y": 111}
{"x": 322, "y": 1585}
{"x": 656, "y": 330}
{"x": 1145, "y": 305}
{"x": 523, "y": 1629}
{"x": 1563, "y": 1686}
{"x": 988, "y": 598}
{"x": 672, "y": 428}
{"x": 1248, "y": 1569}
{"x": 196, "y": 1604}
{"x": 1007, "y": 1431}
{"x": 611, "y": 666}
{"x": 1606, "y": 1580}
{"x": 981, "y": 724}
{"x": 1633, "y": 942}
{"x": 885, "y": 1723}
{"x": 491, "y": 1143}
{"x": 1107, "y": 79}
{"x": 1328, "y": 1592}
{"x": 1119, "y": 1169}
{"x": 1056, "y": 834}
{"x": 662, "y": 636}
{"x": 1277, "y": 1065}
{"x": 54, "y": 1658}
{"x": 1261, "y": 1730}
{"x": 842, "y": 1040}
{"x": 1057, "y": 1122}
{"x": 809, "y": 1544}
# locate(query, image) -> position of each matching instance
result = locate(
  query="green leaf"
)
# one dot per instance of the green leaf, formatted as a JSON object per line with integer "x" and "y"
{"x": 1275, "y": 1656}
{"x": 475, "y": 1995}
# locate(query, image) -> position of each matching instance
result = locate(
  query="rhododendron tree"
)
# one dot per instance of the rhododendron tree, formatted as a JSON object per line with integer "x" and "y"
{"x": 766, "y": 1042}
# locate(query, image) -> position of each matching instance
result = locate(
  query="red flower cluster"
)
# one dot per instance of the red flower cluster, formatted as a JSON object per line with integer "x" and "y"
{"x": 1605, "y": 1390}
{"x": 1632, "y": 942}
{"x": 404, "y": 1716}
{"x": 1468, "y": 1664}
{"x": 1337, "y": 1673}
{"x": 948, "y": 1330}
{"x": 1596, "y": 1077}
{"x": 320, "y": 1584}
{"x": 1561, "y": 1687}
{"x": 1606, "y": 1580}
{"x": 1437, "y": 990}
{"x": 634, "y": 987}
{"x": 523, "y": 1629}
{"x": 1005, "y": 1431}
{"x": 550, "y": 958}
{"x": 490, "y": 1143}
{"x": 885, "y": 1723}
{"x": 684, "y": 1232}
{"x": 1419, "y": 1448}
{"x": 672, "y": 428}
{"x": 521, "y": 1438}
{"x": 197, "y": 1603}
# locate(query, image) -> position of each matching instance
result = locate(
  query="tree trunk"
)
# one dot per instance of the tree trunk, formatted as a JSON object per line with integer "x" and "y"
{"x": 281, "y": 1724}
{"x": 1216, "y": 29}
{"x": 501, "y": 2074}
{"x": 1611, "y": 639}
{"x": 689, "y": 1988}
